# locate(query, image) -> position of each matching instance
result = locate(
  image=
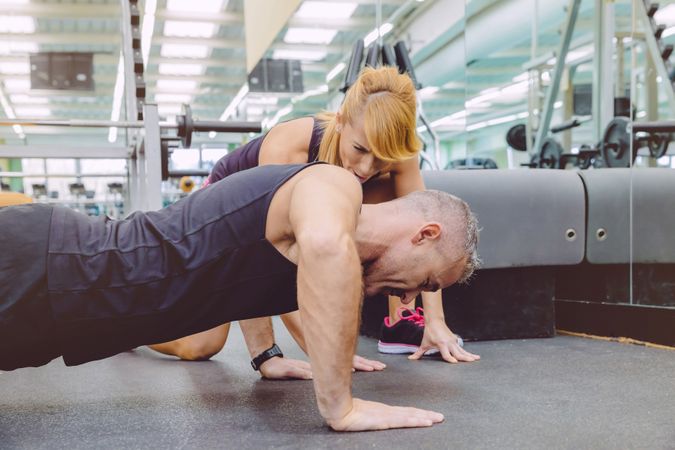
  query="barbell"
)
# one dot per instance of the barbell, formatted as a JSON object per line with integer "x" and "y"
{"x": 185, "y": 125}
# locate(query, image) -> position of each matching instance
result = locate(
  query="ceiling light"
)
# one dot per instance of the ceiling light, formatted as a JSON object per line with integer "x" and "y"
{"x": 665, "y": 15}
{"x": 27, "y": 99}
{"x": 266, "y": 100}
{"x": 373, "y": 35}
{"x": 169, "y": 110}
{"x": 118, "y": 93}
{"x": 15, "y": 68}
{"x": 10, "y": 47}
{"x": 305, "y": 55}
{"x": 17, "y": 24}
{"x": 207, "y": 6}
{"x": 428, "y": 91}
{"x": 335, "y": 71}
{"x": 319, "y": 10}
{"x": 148, "y": 29}
{"x": 173, "y": 98}
{"x": 232, "y": 107}
{"x": 309, "y": 36}
{"x": 184, "y": 51}
{"x": 180, "y": 69}
{"x": 16, "y": 84}
{"x": 189, "y": 29}
{"x": 176, "y": 85}
{"x": 32, "y": 111}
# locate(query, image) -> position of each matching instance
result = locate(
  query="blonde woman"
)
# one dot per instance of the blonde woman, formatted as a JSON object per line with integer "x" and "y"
{"x": 373, "y": 136}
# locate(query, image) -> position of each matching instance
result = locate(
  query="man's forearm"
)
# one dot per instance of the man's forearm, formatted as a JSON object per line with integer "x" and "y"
{"x": 329, "y": 295}
{"x": 258, "y": 334}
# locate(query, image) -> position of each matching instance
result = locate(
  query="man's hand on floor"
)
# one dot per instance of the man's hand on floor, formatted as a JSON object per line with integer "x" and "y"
{"x": 279, "y": 368}
{"x": 438, "y": 335}
{"x": 366, "y": 415}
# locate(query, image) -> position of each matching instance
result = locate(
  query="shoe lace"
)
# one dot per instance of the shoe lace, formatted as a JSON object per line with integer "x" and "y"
{"x": 415, "y": 316}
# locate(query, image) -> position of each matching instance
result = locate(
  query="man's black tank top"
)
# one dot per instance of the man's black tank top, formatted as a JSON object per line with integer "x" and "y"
{"x": 247, "y": 156}
{"x": 157, "y": 276}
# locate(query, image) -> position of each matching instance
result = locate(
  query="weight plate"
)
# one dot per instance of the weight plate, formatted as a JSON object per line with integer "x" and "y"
{"x": 551, "y": 153}
{"x": 658, "y": 144}
{"x": 516, "y": 137}
{"x": 616, "y": 144}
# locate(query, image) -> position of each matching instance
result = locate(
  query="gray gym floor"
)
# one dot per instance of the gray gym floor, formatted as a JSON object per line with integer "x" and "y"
{"x": 565, "y": 392}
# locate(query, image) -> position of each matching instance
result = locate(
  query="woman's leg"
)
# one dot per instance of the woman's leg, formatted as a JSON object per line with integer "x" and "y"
{"x": 197, "y": 347}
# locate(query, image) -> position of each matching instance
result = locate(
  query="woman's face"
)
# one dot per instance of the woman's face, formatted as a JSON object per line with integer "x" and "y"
{"x": 354, "y": 153}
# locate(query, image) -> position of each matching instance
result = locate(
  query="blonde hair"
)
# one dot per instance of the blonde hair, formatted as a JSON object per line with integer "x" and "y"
{"x": 385, "y": 100}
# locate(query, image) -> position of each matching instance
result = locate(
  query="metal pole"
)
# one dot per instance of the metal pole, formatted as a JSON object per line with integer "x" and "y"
{"x": 553, "y": 89}
{"x": 153, "y": 157}
{"x": 603, "y": 73}
{"x": 134, "y": 186}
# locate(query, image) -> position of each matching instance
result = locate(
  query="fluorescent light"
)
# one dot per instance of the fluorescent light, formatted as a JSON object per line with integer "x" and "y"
{"x": 207, "y": 6}
{"x": 254, "y": 110}
{"x": 516, "y": 88}
{"x": 27, "y": 99}
{"x": 522, "y": 77}
{"x": 311, "y": 93}
{"x": 9, "y": 111}
{"x": 176, "y": 85}
{"x": 335, "y": 71}
{"x": 232, "y": 107}
{"x": 428, "y": 91}
{"x": 309, "y": 36}
{"x": 281, "y": 113}
{"x": 10, "y": 47}
{"x": 319, "y": 10}
{"x": 32, "y": 111}
{"x": 148, "y": 29}
{"x": 306, "y": 55}
{"x": 169, "y": 110}
{"x": 118, "y": 93}
{"x": 189, "y": 29}
{"x": 15, "y": 68}
{"x": 184, "y": 51}
{"x": 17, "y": 24}
{"x": 267, "y": 101}
{"x": 373, "y": 35}
{"x": 173, "y": 98}
{"x": 16, "y": 84}
{"x": 180, "y": 69}
{"x": 484, "y": 96}
{"x": 666, "y": 15}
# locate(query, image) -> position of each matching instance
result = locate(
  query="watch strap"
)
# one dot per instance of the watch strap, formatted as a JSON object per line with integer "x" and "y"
{"x": 271, "y": 352}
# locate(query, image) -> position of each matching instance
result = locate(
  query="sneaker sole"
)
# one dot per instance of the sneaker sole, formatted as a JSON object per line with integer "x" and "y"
{"x": 401, "y": 349}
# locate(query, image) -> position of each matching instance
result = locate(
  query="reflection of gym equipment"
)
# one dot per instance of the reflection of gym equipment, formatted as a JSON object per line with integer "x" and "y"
{"x": 39, "y": 190}
{"x": 186, "y": 184}
{"x": 618, "y": 148}
{"x": 471, "y": 164}
{"x": 185, "y": 125}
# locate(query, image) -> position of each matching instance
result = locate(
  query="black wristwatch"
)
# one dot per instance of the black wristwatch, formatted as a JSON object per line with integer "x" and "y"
{"x": 264, "y": 356}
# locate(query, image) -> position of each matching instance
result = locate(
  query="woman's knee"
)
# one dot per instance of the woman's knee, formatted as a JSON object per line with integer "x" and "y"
{"x": 203, "y": 346}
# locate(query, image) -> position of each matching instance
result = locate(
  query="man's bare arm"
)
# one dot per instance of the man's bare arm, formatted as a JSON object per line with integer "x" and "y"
{"x": 259, "y": 336}
{"x": 323, "y": 215}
